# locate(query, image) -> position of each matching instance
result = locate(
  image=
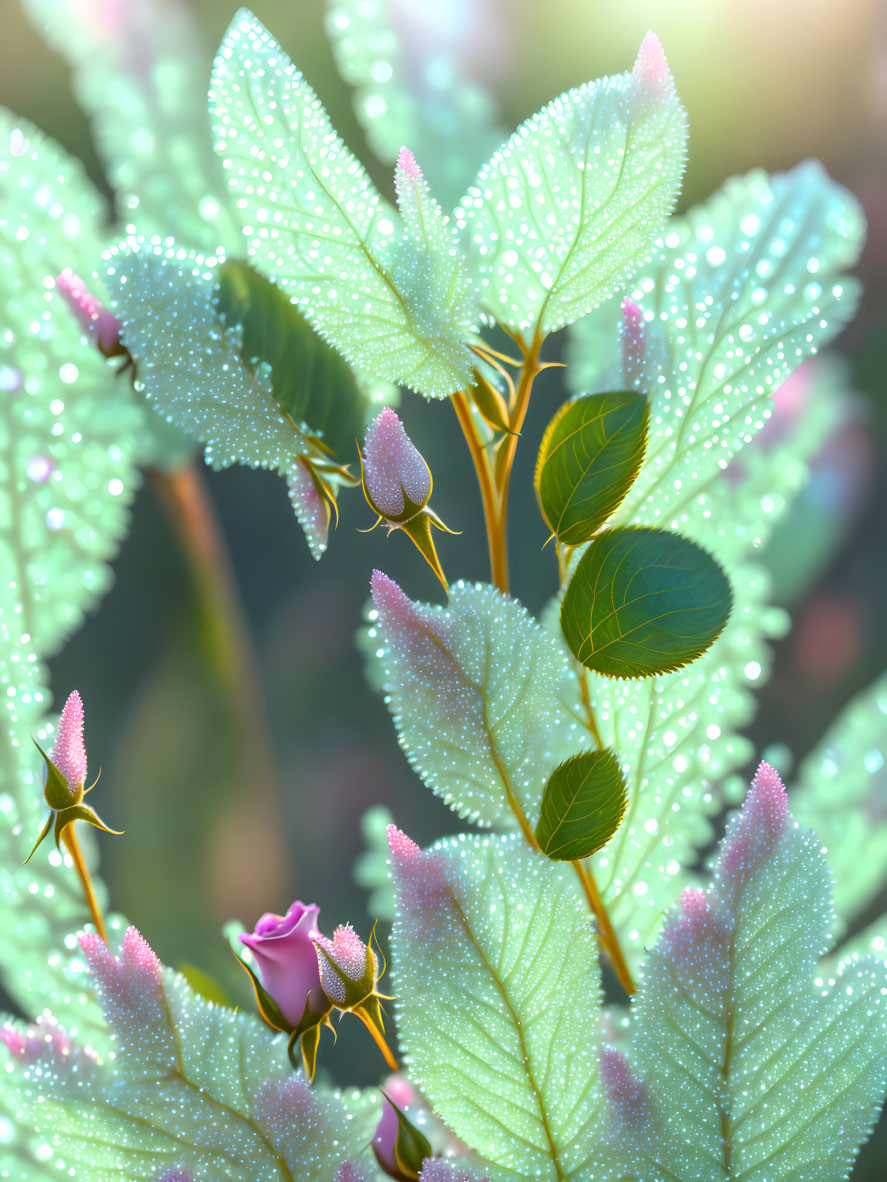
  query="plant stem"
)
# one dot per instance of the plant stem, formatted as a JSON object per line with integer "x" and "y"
{"x": 495, "y": 478}
{"x": 608, "y": 939}
{"x": 192, "y": 515}
{"x": 498, "y": 560}
{"x": 495, "y": 481}
{"x": 69, "y": 837}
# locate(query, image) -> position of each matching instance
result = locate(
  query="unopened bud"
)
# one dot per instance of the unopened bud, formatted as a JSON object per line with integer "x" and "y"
{"x": 396, "y": 480}
{"x": 91, "y": 314}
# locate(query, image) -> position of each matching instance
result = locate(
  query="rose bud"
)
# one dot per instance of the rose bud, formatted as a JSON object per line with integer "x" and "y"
{"x": 64, "y": 787}
{"x": 397, "y": 485}
{"x": 93, "y": 317}
{"x": 396, "y": 480}
{"x": 349, "y": 973}
{"x": 399, "y": 1145}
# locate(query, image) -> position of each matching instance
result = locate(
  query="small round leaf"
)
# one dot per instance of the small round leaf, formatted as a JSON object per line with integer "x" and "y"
{"x": 643, "y": 601}
{"x": 590, "y": 454}
{"x": 583, "y": 804}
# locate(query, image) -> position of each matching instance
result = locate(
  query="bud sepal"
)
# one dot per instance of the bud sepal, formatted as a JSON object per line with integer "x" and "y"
{"x": 411, "y": 1147}
{"x": 66, "y": 806}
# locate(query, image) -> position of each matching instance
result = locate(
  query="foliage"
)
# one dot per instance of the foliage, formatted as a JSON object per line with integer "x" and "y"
{"x": 268, "y": 295}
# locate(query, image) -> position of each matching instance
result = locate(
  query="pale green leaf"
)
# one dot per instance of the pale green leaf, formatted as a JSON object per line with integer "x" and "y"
{"x": 570, "y": 206}
{"x": 410, "y": 90}
{"x": 753, "y": 1070}
{"x": 21, "y": 1156}
{"x": 476, "y": 692}
{"x": 841, "y": 792}
{"x": 188, "y": 363}
{"x": 68, "y": 430}
{"x": 745, "y": 287}
{"x": 317, "y": 227}
{"x": 191, "y": 1084}
{"x": 139, "y": 71}
{"x": 504, "y": 1044}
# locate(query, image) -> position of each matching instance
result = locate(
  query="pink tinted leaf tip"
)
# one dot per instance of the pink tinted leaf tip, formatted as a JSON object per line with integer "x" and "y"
{"x": 401, "y": 846}
{"x": 651, "y": 64}
{"x": 406, "y": 162}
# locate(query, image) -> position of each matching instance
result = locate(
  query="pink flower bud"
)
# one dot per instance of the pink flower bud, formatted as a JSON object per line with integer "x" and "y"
{"x": 402, "y": 1092}
{"x": 91, "y": 314}
{"x": 396, "y": 479}
{"x": 69, "y": 753}
{"x": 343, "y": 963}
{"x": 286, "y": 960}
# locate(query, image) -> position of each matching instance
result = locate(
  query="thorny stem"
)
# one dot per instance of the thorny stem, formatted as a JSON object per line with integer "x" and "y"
{"x": 191, "y": 513}
{"x": 69, "y": 837}
{"x": 494, "y": 479}
{"x": 608, "y": 938}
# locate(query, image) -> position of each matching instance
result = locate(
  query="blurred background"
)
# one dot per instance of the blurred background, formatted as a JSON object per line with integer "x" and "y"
{"x": 765, "y": 83}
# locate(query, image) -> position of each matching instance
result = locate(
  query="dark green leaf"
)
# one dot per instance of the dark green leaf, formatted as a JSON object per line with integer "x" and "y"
{"x": 311, "y": 383}
{"x": 590, "y": 454}
{"x": 56, "y": 792}
{"x": 583, "y": 804}
{"x": 643, "y": 601}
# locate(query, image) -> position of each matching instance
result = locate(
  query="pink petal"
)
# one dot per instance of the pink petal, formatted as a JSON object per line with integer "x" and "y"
{"x": 406, "y": 162}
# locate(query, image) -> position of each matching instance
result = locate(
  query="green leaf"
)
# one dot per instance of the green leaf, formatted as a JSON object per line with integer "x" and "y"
{"x": 569, "y": 207}
{"x": 643, "y": 601}
{"x": 312, "y": 384}
{"x": 590, "y": 454}
{"x": 190, "y": 1083}
{"x": 749, "y": 1066}
{"x": 582, "y": 807}
{"x": 743, "y": 288}
{"x": 140, "y": 73}
{"x": 476, "y": 690}
{"x": 680, "y": 735}
{"x": 504, "y": 1044}
{"x": 317, "y": 227}
{"x": 408, "y": 91}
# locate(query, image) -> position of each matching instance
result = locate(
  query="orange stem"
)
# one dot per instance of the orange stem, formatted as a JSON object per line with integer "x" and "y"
{"x": 69, "y": 837}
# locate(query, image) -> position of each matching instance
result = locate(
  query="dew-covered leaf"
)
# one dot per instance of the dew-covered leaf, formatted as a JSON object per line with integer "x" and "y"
{"x": 394, "y": 307}
{"x": 475, "y": 690}
{"x": 139, "y": 71}
{"x": 503, "y": 1045}
{"x": 570, "y": 206}
{"x": 191, "y": 368}
{"x": 583, "y": 803}
{"x": 643, "y": 601}
{"x": 312, "y": 384}
{"x": 744, "y": 1065}
{"x": 410, "y": 91}
{"x": 744, "y": 288}
{"x": 841, "y": 792}
{"x": 68, "y": 430}
{"x": 590, "y": 454}
{"x": 190, "y": 1083}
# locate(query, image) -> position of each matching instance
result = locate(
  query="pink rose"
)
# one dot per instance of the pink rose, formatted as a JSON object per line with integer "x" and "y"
{"x": 286, "y": 959}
